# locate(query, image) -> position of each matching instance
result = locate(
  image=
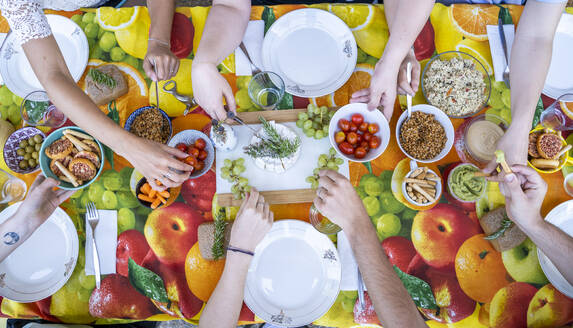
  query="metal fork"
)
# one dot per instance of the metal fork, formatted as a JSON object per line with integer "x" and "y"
{"x": 93, "y": 219}
{"x": 256, "y": 70}
{"x": 505, "y": 52}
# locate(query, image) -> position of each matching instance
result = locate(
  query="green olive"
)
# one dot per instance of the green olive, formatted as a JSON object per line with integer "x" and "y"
{"x": 27, "y": 156}
{"x": 23, "y": 165}
{"x": 29, "y": 149}
{"x": 23, "y": 143}
{"x": 31, "y": 142}
{"x": 32, "y": 162}
{"x": 35, "y": 155}
{"x": 38, "y": 138}
{"x": 37, "y": 146}
{"x": 21, "y": 152}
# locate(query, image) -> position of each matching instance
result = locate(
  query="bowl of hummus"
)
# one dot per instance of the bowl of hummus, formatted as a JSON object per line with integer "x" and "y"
{"x": 481, "y": 137}
{"x": 463, "y": 185}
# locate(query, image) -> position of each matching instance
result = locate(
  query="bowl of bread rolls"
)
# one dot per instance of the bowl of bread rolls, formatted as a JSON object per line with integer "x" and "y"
{"x": 547, "y": 151}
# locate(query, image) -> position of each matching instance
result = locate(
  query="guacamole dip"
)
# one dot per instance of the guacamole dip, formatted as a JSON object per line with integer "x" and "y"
{"x": 463, "y": 185}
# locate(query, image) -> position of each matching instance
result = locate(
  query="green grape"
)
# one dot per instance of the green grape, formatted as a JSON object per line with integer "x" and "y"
{"x": 116, "y": 54}
{"x": 315, "y": 171}
{"x": 226, "y": 176}
{"x": 361, "y": 193}
{"x": 373, "y": 187}
{"x": 330, "y": 114}
{"x": 310, "y": 179}
{"x": 91, "y": 30}
{"x": 243, "y": 182}
{"x": 89, "y": 18}
{"x": 389, "y": 203}
{"x": 323, "y": 110}
{"x": 307, "y": 124}
{"x": 237, "y": 195}
{"x": 240, "y": 161}
{"x": 112, "y": 181}
{"x": 332, "y": 151}
{"x": 6, "y": 99}
{"x": 388, "y": 225}
{"x": 125, "y": 220}
{"x": 372, "y": 205}
{"x": 332, "y": 166}
{"x": 321, "y": 161}
{"x": 235, "y": 188}
{"x": 339, "y": 161}
{"x": 323, "y": 157}
{"x": 109, "y": 200}
{"x": 335, "y": 168}
{"x": 238, "y": 169}
{"x": 506, "y": 98}
{"x": 314, "y": 185}
{"x": 127, "y": 199}
{"x": 319, "y": 134}
{"x": 247, "y": 189}
{"x": 303, "y": 116}
{"x": 226, "y": 169}
{"x": 311, "y": 107}
{"x": 95, "y": 191}
{"x": 97, "y": 52}
{"x": 316, "y": 126}
{"x": 243, "y": 82}
{"x": 300, "y": 124}
{"x": 100, "y": 33}
{"x": 107, "y": 41}
{"x": 310, "y": 115}
{"x": 227, "y": 163}
{"x": 76, "y": 18}
{"x": 309, "y": 133}
{"x": 325, "y": 129}
{"x": 87, "y": 282}
{"x": 365, "y": 178}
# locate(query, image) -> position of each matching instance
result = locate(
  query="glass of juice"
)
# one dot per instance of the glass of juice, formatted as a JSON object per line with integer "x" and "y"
{"x": 322, "y": 223}
{"x": 266, "y": 90}
{"x": 37, "y": 110}
{"x": 12, "y": 189}
{"x": 559, "y": 115}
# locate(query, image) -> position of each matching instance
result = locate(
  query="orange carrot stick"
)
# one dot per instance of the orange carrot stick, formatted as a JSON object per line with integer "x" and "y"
{"x": 145, "y": 198}
{"x": 155, "y": 204}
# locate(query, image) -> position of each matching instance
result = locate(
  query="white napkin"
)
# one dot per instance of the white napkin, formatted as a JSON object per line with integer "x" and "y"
{"x": 253, "y": 40}
{"x": 496, "y": 47}
{"x": 2, "y": 37}
{"x": 349, "y": 280}
{"x": 106, "y": 241}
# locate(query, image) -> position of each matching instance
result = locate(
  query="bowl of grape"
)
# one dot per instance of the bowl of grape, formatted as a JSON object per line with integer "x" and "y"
{"x": 22, "y": 150}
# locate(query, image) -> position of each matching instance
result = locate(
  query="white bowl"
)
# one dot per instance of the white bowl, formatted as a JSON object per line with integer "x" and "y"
{"x": 413, "y": 167}
{"x": 375, "y": 116}
{"x": 441, "y": 117}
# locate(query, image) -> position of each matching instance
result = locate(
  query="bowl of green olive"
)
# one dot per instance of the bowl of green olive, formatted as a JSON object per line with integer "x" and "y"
{"x": 22, "y": 150}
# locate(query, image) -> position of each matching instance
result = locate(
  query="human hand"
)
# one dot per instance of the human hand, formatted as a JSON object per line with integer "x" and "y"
{"x": 253, "y": 221}
{"x": 42, "y": 199}
{"x": 403, "y": 86}
{"x": 523, "y": 200}
{"x": 514, "y": 144}
{"x": 209, "y": 88}
{"x": 158, "y": 162}
{"x": 382, "y": 90}
{"x": 337, "y": 199}
{"x": 165, "y": 62}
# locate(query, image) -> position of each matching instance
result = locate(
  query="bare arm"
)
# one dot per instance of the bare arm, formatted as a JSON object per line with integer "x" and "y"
{"x": 158, "y": 48}
{"x": 529, "y": 63}
{"x": 224, "y": 30}
{"x": 338, "y": 200}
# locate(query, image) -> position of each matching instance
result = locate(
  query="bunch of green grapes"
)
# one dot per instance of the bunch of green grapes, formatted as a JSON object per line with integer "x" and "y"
{"x": 325, "y": 161}
{"x": 10, "y": 106}
{"x": 231, "y": 172}
{"x": 314, "y": 123}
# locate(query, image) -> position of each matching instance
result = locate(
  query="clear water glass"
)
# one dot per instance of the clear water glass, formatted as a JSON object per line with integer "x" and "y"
{"x": 559, "y": 115}
{"x": 12, "y": 189}
{"x": 266, "y": 90}
{"x": 322, "y": 223}
{"x": 37, "y": 110}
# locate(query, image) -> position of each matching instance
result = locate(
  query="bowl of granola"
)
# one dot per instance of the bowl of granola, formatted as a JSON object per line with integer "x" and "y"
{"x": 151, "y": 123}
{"x": 456, "y": 83}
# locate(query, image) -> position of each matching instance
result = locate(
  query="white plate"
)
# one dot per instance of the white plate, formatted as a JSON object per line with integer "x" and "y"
{"x": 16, "y": 70}
{"x": 562, "y": 217}
{"x": 312, "y": 50}
{"x": 294, "y": 277}
{"x": 370, "y": 116}
{"x": 559, "y": 79}
{"x": 43, "y": 263}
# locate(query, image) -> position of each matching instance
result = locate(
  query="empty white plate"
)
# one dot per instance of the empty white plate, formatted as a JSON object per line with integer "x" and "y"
{"x": 559, "y": 79}
{"x": 312, "y": 50}
{"x": 562, "y": 217}
{"x": 43, "y": 263}
{"x": 17, "y": 71}
{"x": 294, "y": 277}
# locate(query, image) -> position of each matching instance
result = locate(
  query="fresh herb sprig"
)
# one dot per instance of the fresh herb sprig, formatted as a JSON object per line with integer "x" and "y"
{"x": 274, "y": 145}
{"x": 505, "y": 224}
{"x": 102, "y": 78}
{"x": 218, "y": 248}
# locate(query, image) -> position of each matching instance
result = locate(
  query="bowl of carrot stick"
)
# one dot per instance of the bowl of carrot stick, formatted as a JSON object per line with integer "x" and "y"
{"x": 150, "y": 197}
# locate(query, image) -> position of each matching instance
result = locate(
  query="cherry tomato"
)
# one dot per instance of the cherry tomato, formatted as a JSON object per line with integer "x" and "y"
{"x": 200, "y": 144}
{"x": 346, "y": 148}
{"x": 359, "y": 139}
{"x": 202, "y": 155}
{"x": 374, "y": 142}
{"x": 353, "y": 127}
{"x": 363, "y": 126}
{"x": 193, "y": 151}
{"x": 360, "y": 152}
{"x": 190, "y": 160}
{"x": 199, "y": 166}
{"x": 367, "y": 136}
{"x": 373, "y": 128}
{"x": 365, "y": 145}
{"x": 352, "y": 138}
{"x": 357, "y": 119}
{"x": 344, "y": 125}
{"x": 181, "y": 146}
{"x": 339, "y": 137}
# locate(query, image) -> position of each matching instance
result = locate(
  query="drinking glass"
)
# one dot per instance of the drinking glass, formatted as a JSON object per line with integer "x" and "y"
{"x": 559, "y": 115}
{"x": 12, "y": 189}
{"x": 266, "y": 90}
{"x": 568, "y": 184}
{"x": 37, "y": 110}
{"x": 322, "y": 223}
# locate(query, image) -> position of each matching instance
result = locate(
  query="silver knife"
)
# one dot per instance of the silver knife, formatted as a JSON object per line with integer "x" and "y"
{"x": 505, "y": 53}
{"x": 360, "y": 291}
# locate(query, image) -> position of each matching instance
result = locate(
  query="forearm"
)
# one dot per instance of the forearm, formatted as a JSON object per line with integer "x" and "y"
{"x": 554, "y": 243}
{"x": 161, "y": 15}
{"x": 224, "y": 30}
{"x": 15, "y": 231}
{"x": 391, "y": 300}
{"x": 224, "y": 306}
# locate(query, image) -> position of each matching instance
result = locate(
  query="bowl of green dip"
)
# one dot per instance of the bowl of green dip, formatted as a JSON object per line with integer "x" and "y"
{"x": 463, "y": 185}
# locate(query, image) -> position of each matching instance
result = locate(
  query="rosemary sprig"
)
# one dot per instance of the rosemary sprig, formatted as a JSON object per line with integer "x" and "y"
{"x": 274, "y": 145}
{"x": 218, "y": 248}
{"x": 505, "y": 224}
{"x": 102, "y": 78}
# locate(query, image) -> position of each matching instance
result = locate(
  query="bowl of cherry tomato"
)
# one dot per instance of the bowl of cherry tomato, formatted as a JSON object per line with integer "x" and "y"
{"x": 200, "y": 150}
{"x": 358, "y": 134}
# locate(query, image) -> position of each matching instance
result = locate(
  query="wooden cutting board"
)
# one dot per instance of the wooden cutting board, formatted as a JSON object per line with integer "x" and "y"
{"x": 286, "y": 188}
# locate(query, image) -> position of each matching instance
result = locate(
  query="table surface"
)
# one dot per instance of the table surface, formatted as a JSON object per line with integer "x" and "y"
{"x": 190, "y": 281}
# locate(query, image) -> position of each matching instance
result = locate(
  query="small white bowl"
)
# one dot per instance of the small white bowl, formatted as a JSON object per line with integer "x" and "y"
{"x": 441, "y": 117}
{"x": 375, "y": 116}
{"x": 413, "y": 167}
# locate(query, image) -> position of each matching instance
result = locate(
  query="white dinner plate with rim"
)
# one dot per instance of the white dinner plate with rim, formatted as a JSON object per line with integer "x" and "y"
{"x": 559, "y": 79}
{"x": 43, "y": 263}
{"x": 562, "y": 217}
{"x": 295, "y": 275}
{"x": 312, "y": 50}
{"x": 17, "y": 71}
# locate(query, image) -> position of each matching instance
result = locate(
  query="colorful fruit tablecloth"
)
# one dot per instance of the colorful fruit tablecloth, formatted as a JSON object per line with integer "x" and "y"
{"x": 505, "y": 289}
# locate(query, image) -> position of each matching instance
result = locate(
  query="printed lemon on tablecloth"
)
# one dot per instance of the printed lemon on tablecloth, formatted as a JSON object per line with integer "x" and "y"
{"x": 367, "y": 23}
{"x": 168, "y": 102}
{"x": 446, "y": 36}
{"x": 471, "y": 20}
{"x": 229, "y": 64}
{"x": 478, "y": 49}
{"x": 133, "y": 38}
{"x": 113, "y": 19}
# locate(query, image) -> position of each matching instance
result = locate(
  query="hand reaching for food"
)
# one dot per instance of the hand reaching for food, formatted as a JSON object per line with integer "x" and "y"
{"x": 209, "y": 90}
{"x": 403, "y": 86}
{"x": 515, "y": 149}
{"x": 160, "y": 59}
{"x": 382, "y": 90}
{"x": 253, "y": 221}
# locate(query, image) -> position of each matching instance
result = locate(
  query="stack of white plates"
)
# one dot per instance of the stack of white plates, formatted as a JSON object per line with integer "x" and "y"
{"x": 560, "y": 76}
